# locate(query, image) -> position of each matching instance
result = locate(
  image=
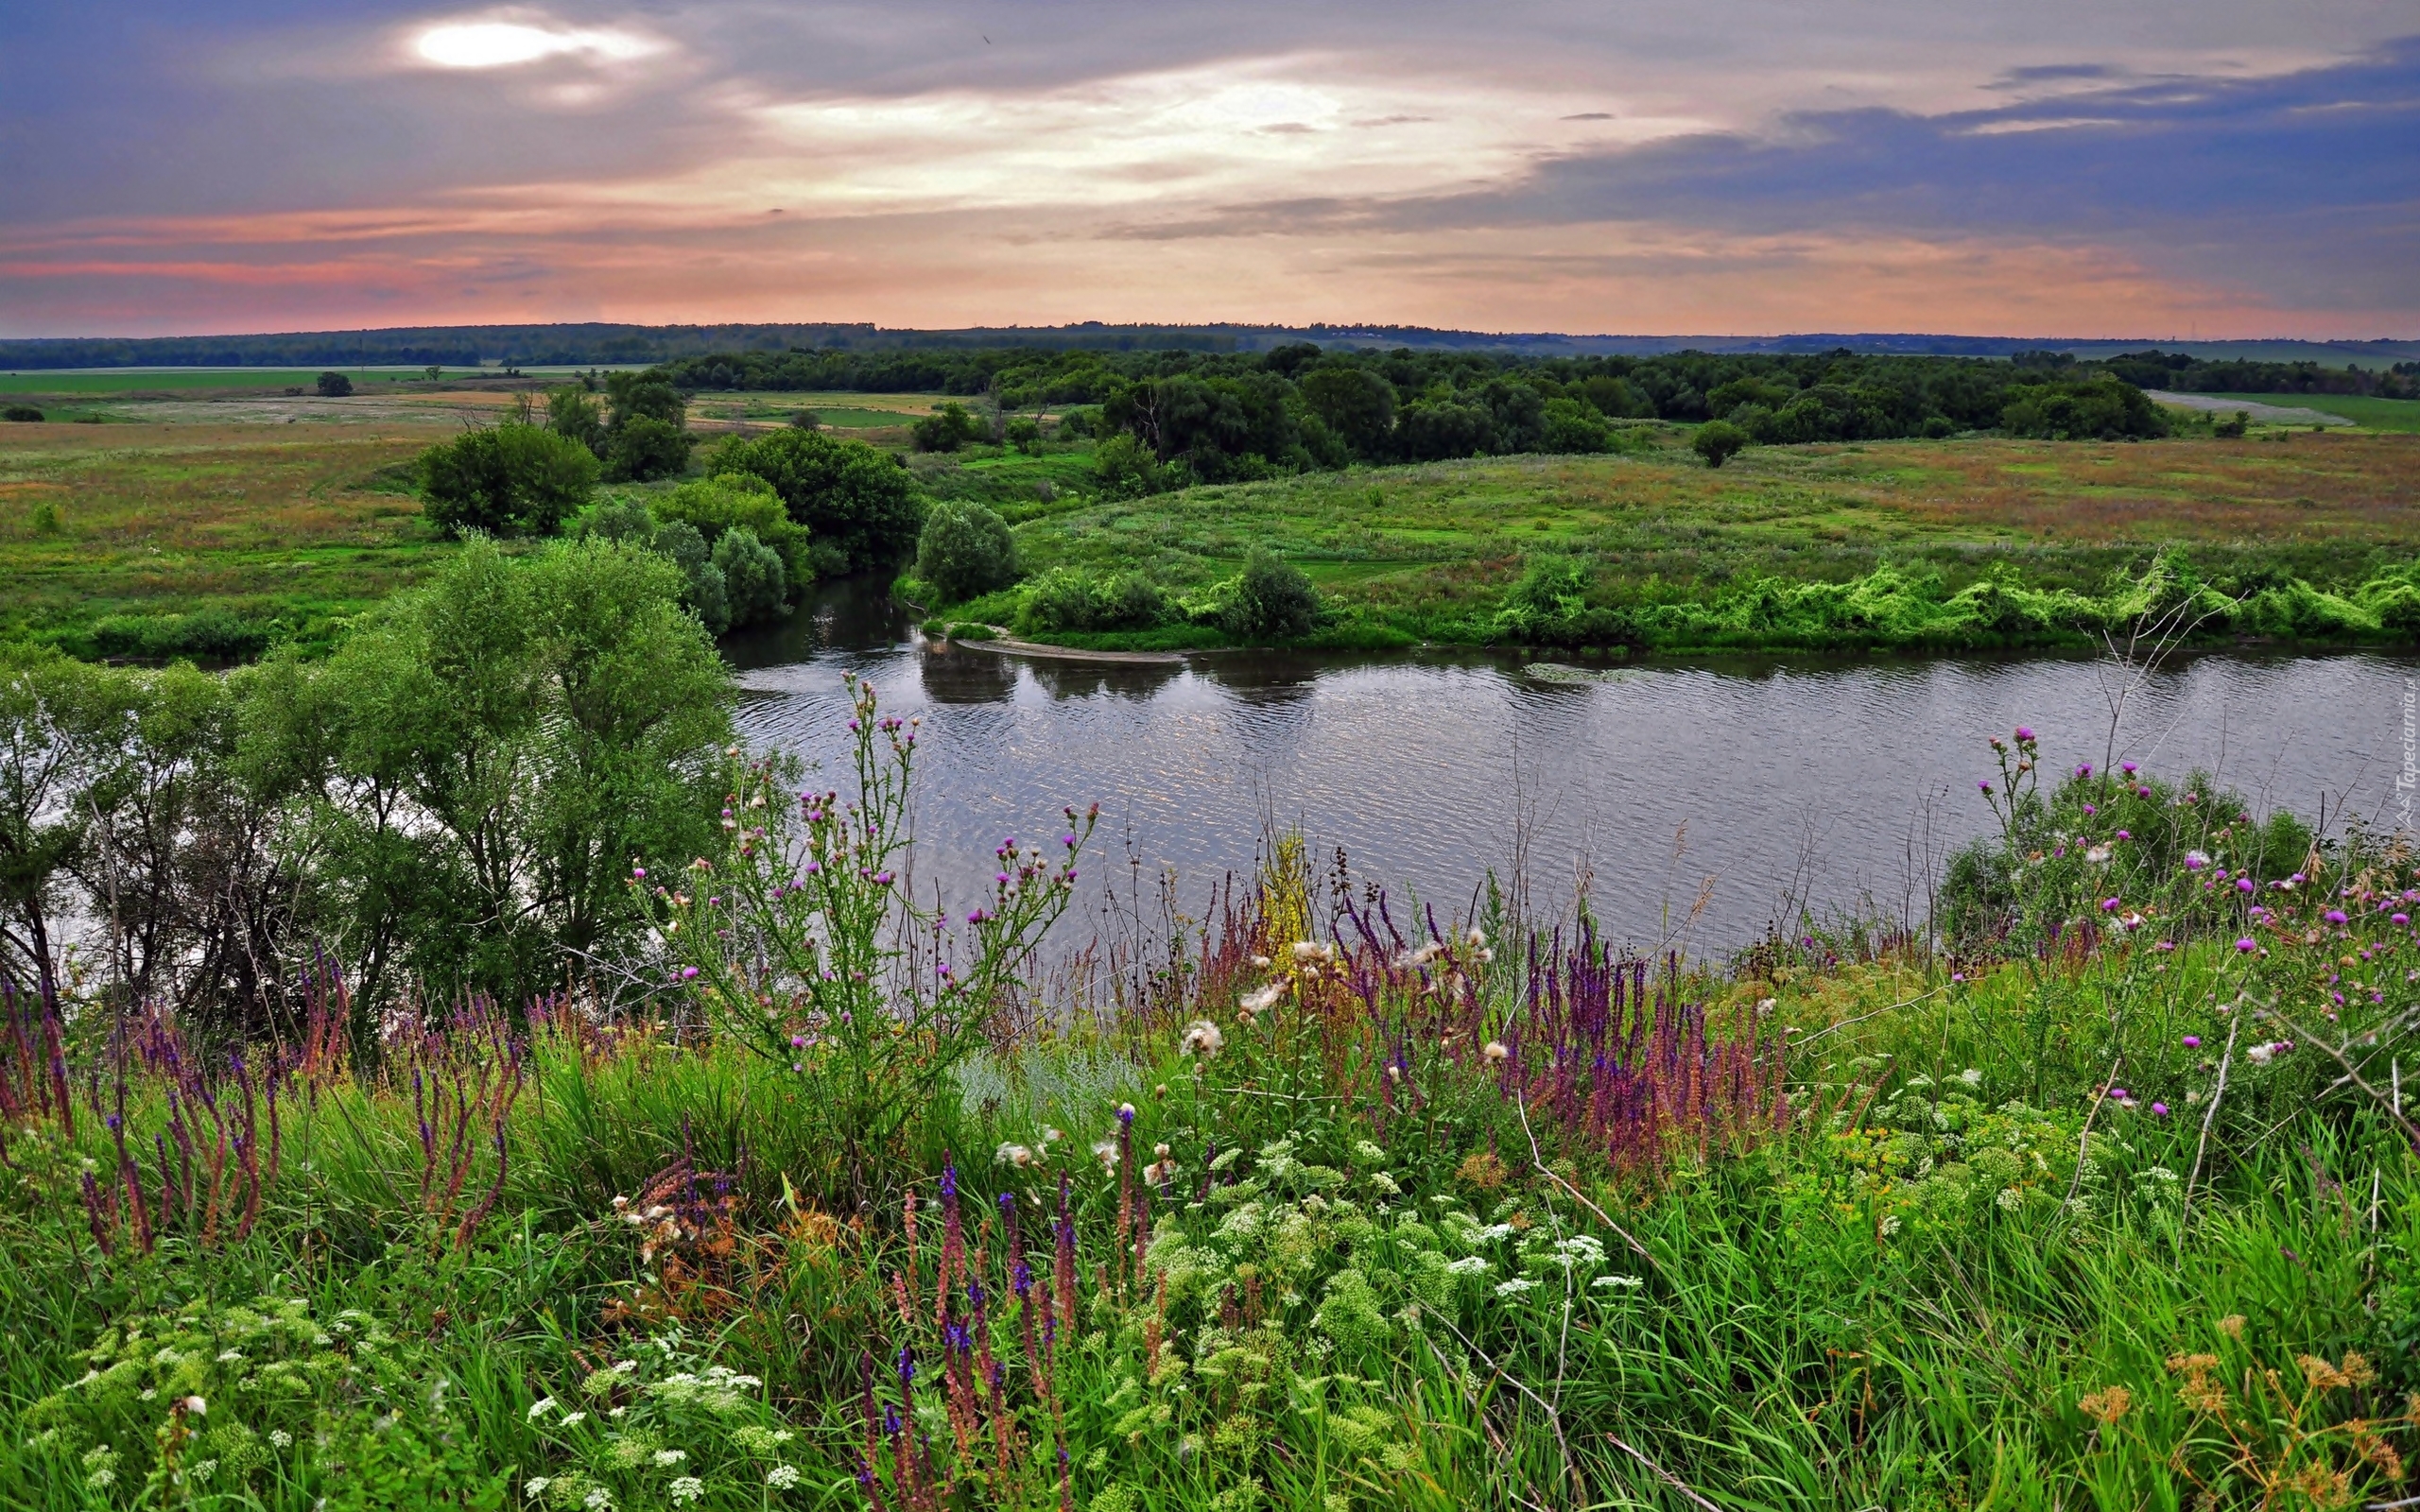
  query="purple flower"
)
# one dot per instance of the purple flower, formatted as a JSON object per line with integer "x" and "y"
{"x": 2247, "y": 944}
{"x": 2023, "y": 733}
{"x": 2083, "y": 769}
{"x": 2192, "y": 1041}
{"x": 640, "y": 872}
{"x": 2243, "y": 883}
{"x": 2128, "y": 768}
{"x": 2336, "y": 916}
{"x": 688, "y": 974}
{"x": 1984, "y": 786}
{"x": 2159, "y": 1110}
{"x": 2109, "y": 905}
{"x": 2399, "y": 919}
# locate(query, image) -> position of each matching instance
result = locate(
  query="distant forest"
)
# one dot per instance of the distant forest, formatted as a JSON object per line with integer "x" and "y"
{"x": 1227, "y": 416}
{"x": 610, "y": 344}
{"x": 2183, "y": 373}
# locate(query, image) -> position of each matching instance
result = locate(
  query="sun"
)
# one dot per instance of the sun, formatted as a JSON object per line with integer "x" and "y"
{"x": 508, "y": 43}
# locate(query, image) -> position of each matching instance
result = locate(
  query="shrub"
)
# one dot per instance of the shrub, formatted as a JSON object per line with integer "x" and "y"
{"x": 1718, "y": 441}
{"x": 573, "y": 412}
{"x": 20, "y": 412}
{"x": 1065, "y": 599}
{"x": 755, "y": 584}
{"x": 707, "y": 595}
{"x": 944, "y": 430}
{"x": 728, "y": 500}
{"x": 1025, "y": 434}
{"x": 334, "y": 385}
{"x": 858, "y": 504}
{"x": 2232, "y": 427}
{"x": 506, "y": 480}
{"x": 965, "y": 550}
{"x": 208, "y": 635}
{"x": 1127, "y": 468}
{"x": 644, "y": 447}
{"x": 1572, "y": 426}
{"x": 1271, "y": 601}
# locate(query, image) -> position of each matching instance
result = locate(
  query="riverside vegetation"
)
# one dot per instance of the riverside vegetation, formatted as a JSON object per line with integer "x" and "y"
{"x": 1452, "y": 497}
{"x": 706, "y": 1166}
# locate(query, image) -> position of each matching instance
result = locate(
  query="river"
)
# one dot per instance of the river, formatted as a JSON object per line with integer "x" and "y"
{"x": 1692, "y": 798}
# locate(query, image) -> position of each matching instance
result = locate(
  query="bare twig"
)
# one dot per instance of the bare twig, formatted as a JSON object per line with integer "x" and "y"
{"x": 1538, "y": 1159}
{"x": 1669, "y": 1479}
{"x": 2083, "y": 1139}
{"x": 2235, "y": 1026}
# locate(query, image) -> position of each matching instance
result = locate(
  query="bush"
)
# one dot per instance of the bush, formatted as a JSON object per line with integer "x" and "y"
{"x": 965, "y": 550}
{"x": 1025, "y": 434}
{"x": 858, "y": 504}
{"x": 209, "y": 635}
{"x": 1572, "y": 426}
{"x": 1719, "y": 441}
{"x": 644, "y": 447}
{"x": 754, "y": 583}
{"x": 707, "y": 595}
{"x": 1065, "y": 599}
{"x": 20, "y": 412}
{"x": 334, "y": 385}
{"x": 1271, "y": 601}
{"x": 944, "y": 430}
{"x": 728, "y": 500}
{"x": 2232, "y": 427}
{"x": 506, "y": 480}
{"x": 1127, "y": 468}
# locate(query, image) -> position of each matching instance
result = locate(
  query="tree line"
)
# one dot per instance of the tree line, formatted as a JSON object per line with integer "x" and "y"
{"x": 2182, "y": 373}
{"x": 1299, "y": 407}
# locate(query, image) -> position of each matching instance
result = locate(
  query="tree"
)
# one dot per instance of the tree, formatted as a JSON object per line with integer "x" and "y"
{"x": 334, "y": 385}
{"x": 20, "y": 412}
{"x": 965, "y": 550}
{"x": 1273, "y": 600}
{"x": 1355, "y": 403}
{"x": 572, "y": 413}
{"x": 1025, "y": 434}
{"x": 2232, "y": 427}
{"x": 505, "y": 743}
{"x": 945, "y": 429}
{"x": 1568, "y": 426}
{"x": 755, "y": 584}
{"x": 506, "y": 480}
{"x": 1718, "y": 441}
{"x": 705, "y": 594}
{"x": 647, "y": 427}
{"x": 858, "y": 504}
{"x": 432, "y": 372}
{"x": 726, "y": 500}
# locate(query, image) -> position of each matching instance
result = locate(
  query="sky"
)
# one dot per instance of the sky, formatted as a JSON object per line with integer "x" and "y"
{"x": 2080, "y": 168}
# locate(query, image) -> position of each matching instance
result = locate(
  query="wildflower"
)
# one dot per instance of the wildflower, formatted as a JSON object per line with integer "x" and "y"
{"x": 1496, "y": 1050}
{"x": 1201, "y": 1037}
{"x": 668, "y": 1457}
{"x": 1628, "y": 1283}
{"x": 1468, "y": 1265}
{"x": 688, "y": 974}
{"x": 2159, "y": 1110}
{"x": 194, "y": 1405}
{"x": 573, "y": 1419}
{"x": 2128, "y": 768}
{"x": 2024, "y": 737}
{"x": 1983, "y": 787}
{"x": 2097, "y": 856}
{"x": 782, "y": 1477}
{"x": 1260, "y": 1000}
{"x": 280, "y": 1439}
{"x": 2192, "y": 1041}
{"x": 2109, "y": 905}
{"x": 1307, "y": 951}
{"x": 1260, "y": 962}
{"x": 2400, "y": 920}
{"x": 1514, "y": 1287}
{"x": 1017, "y": 1155}
{"x": 1478, "y": 938}
{"x": 2195, "y": 860}
{"x": 686, "y": 1488}
{"x": 1106, "y": 1153}
{"x": 546, "y": 1404}
{"x": 598, "y": 1500}
{"x": 2259, "y": 1054}
{"x": 2124, "y": 834}
{"x": 2106, "y": 1406}
{"x": 2247, "y": 944}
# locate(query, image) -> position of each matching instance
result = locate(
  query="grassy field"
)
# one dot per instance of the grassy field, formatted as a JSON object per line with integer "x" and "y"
{"x": 1427, "y": 544}
{"x": 272, "y": 508}
{"x": 85, "y": 381}
{"x": 2398, "y": 415}
{"x": 300, "y": 523}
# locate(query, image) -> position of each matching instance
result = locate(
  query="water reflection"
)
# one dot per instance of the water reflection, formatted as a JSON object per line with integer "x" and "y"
{"x": 1655, "y": 787}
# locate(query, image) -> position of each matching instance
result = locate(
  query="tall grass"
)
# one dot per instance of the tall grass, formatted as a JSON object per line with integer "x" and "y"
{"x": 1349, "y": 1209}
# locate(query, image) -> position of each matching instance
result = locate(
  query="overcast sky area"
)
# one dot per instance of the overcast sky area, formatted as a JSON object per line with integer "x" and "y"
{"x": 2152, "y": 168}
